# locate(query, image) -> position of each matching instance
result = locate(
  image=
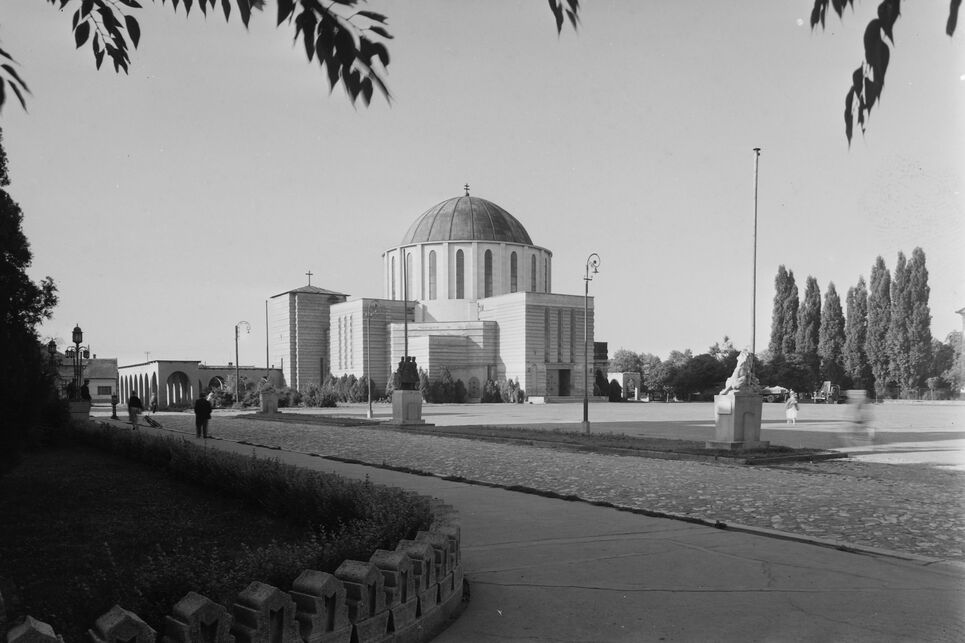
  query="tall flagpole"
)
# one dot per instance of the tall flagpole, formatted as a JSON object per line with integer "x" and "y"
{"x": 757, "y": 158}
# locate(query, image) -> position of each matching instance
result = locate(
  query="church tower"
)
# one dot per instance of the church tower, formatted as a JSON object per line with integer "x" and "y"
{"x": 299, "y": 333}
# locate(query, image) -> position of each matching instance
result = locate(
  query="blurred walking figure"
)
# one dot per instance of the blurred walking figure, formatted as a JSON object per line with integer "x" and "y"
{"x": 860, "y": 414}
{"x": 790, "y": 408}
{"x": 134, "y": 408}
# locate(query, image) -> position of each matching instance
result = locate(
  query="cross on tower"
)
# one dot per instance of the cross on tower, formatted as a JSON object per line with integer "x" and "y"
{"x": 309, "y": 273}
{"x": 467, "y": 189}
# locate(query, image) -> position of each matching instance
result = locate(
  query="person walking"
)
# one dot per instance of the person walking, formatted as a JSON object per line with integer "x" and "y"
{"x": 790, "y": 408}
{"x": 153, "y": 403}
{"x": 134, "y": 409}
{"x": 202, "y": 413}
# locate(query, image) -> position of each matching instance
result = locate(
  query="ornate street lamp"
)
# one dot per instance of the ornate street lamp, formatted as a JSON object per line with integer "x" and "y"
{"x": 237, "y": 371}
{"x": 76, "y": 354}
{"x": 593, "y": 261}
{"x": 370, "y": 313}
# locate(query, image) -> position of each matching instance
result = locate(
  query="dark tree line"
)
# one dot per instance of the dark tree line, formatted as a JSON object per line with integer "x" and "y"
{"x": 27, "y": 391}
{"x": 882, "y": 343}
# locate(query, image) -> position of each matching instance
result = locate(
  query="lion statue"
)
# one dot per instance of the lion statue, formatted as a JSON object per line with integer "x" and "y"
{"x": 742, "y": 378}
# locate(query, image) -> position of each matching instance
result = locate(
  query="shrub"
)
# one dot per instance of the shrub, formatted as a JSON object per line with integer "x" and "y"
{"x": 343, "y": 519}
{"x": 491, "y": 392}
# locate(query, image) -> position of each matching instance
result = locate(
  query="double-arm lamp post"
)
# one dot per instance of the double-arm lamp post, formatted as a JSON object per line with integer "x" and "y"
{"x": 373, "y": 309}
{"x": 593, "y": 261}
{"x": 76, "y": 353}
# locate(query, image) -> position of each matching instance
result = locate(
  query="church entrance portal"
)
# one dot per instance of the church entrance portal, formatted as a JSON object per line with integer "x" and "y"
{"x": 557, "y": 382}
{"x": 564, "y": 382}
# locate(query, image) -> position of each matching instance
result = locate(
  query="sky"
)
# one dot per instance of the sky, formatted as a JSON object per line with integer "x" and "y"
{"x": 168, "y": 204}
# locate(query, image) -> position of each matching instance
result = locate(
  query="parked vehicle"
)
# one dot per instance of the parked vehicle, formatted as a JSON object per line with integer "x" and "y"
{"x": 829, "y": 394}
{"x": 775, "y": 393}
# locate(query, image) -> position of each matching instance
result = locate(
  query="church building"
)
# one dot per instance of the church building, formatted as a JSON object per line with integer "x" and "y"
{"x": 466, "y": 290}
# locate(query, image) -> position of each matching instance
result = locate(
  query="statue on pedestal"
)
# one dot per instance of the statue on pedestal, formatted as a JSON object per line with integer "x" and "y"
{"x": 743, "y": 378}
{"x": 408, "y": 374}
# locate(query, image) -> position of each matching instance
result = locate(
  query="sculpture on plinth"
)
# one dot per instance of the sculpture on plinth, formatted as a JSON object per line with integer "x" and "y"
{"x": 737, "y": 409}
{"x": 408, "y": 375}
{"x": 743, "y": 378}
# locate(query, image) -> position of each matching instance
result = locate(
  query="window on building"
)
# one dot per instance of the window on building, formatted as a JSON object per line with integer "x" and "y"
{"x": 460, "y": 275}
{"x": 409, "y": 293}
{"x": 546, "y": 334}
{"x": 546, "y": 276}
{"x": 488, "y": 262}
{"x": 104, "y": 390}
{"x": 532, "y": 273}
{"x": 572, "y": 335}
{"x": 432, "y": 274}
{"x": 559, "y": 336}
{"x": 513, "y": 286}
{"x": 392, "y": 280}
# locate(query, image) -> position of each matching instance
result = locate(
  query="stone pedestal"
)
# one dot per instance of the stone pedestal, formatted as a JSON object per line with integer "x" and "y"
{"x": 269, "y": 401}
{"x": 79, "y": 410}
{"x": 407, "y": 407}
{"x": 738, "y": 421}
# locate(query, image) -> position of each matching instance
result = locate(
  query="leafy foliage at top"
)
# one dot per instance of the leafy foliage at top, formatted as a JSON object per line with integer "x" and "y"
{"x": 348, "y": 43}
{"x": 868, "y": 80}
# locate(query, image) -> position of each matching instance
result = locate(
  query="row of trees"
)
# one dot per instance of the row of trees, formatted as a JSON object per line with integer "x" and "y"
{"x": 881, "y": 342}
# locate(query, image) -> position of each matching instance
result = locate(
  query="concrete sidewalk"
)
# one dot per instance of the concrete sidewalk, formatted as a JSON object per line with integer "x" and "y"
{"x": 541, "y": 569}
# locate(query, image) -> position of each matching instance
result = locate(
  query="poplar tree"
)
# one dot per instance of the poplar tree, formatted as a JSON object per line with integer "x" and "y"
{"x": 776, "y": 345}
{"x": 879, "y": 319}
{"x": 856, "y": 336}
{"x": 789, "y": 345}
{"x": 918, "y": 327}
{"x": 809, "y": 327}
{"x": 896, "y": 339}
{"x": 831, "y": 336}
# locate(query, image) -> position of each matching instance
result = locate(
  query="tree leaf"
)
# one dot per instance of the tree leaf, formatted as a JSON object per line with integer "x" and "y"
{"x": 133, "y": 4}
{"x": 848, "y": 115}
{"x": 226, "y": 7}
{"x": 952, "y": 17}
{"x": 3, "y": 93}
{"x": 81, "y": 33}
{"x": 371, "y": 15}
{"x": 285, "y": 9}
{"x": 244, "y": 8}
{"x": 85, "y": 8}
{"x": 133, "y": 28}
{"x": 16, "y": 90}
{"x": 557, "y": 10}
{"x": 382, "y": 32}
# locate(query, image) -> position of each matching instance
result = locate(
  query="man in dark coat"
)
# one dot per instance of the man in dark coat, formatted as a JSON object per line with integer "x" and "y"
{"x": 202, "y": 413}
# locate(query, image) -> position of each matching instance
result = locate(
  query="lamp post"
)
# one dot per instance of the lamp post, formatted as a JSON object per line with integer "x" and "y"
{"x": 757, "y": 160}
{"x": 76, "y": 354}
{"x": 52, "y": 352}
{"x": 593, "y": 261}
{"x": 237, "y": 373}
{"x": 370, "y": 313}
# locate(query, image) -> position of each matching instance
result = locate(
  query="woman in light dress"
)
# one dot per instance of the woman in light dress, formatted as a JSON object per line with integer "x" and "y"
{"x": 790, "y": 408}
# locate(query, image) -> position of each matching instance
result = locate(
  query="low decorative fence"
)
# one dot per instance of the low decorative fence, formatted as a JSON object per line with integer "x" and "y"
{"x": 405, "y": 595}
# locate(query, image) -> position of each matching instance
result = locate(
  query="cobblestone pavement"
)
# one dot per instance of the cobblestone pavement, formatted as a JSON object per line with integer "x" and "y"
{"x": 906, "y": 508}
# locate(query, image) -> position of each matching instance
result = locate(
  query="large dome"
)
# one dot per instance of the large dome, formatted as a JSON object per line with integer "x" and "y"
{"x": 466, "y": 218}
